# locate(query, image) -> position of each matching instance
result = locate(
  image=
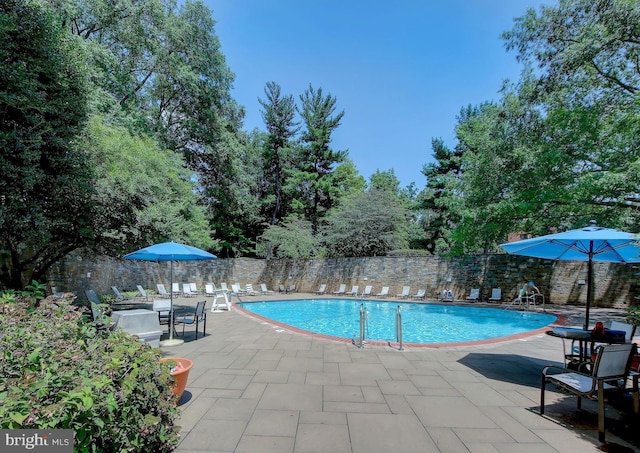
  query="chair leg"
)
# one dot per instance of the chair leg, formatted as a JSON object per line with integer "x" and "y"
{"x": 634, "y": 393}
{"x": 197, "y": 330}
{"x": 543, "y": 384}
{"x": 601, "y": 411}
{"x": 204, "y": 327}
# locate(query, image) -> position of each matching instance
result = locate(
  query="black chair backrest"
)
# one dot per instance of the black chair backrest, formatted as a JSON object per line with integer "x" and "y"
{"x": 92, "y": 297}
{"x": 200, "y": 309}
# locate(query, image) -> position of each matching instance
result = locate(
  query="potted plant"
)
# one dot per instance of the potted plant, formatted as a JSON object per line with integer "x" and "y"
{"x": 179, "y": 370}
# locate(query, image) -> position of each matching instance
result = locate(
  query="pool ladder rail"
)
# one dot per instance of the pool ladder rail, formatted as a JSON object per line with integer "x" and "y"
{"x": 399, "y": 327}
{"x": 363, "y": 327}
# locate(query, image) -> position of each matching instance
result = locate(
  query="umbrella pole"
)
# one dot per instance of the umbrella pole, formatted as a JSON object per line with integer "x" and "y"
{"x": 589, "y": 286}
{"x": 171, "y": 341}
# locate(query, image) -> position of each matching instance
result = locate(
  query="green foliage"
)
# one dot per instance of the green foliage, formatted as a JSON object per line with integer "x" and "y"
{"x": 59, "y": 372}
{"x": 633, "y": 315}
{"x": 46, "y": 193}
{"x": 279, "y": 116}
{"x": 437, "y": 218}
{"x": 146, "y": 194}
{"x": 35, "y": 290}
{"x": 589, "y": 77}
{"x": 409, "y": 252}
{"x": 368, "y": 224}
{"x": 561, "y": 146}
{"x": 314, "y": 177}
{"x": 7, "y": 297}
{"x": 289, "y": 240}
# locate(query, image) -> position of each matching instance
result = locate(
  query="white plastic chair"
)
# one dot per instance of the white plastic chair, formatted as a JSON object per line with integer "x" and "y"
{"x": 474, "y": 294}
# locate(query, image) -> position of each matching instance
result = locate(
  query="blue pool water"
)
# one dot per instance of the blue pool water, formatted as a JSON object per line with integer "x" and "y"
{"x": 421, "y": 323}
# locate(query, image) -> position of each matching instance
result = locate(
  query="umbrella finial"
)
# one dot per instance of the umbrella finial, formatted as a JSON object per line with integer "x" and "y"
{"x": 592, "y": 223}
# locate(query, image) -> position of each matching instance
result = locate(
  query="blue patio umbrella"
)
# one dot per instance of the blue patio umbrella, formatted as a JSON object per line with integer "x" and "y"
{"x": 592, "y": 243}
{"x": 170, "y": 251}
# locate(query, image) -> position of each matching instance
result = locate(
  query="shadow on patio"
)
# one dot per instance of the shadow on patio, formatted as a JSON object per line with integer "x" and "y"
{"x": 522, "y": 370}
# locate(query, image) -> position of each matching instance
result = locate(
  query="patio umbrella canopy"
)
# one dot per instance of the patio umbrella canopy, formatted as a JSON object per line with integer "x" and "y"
{"x": 592, "y": 243}
{"x": 170, "y": 251}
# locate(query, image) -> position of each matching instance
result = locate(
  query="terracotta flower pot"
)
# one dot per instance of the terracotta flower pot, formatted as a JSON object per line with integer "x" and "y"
{"x": 181, "y": 375}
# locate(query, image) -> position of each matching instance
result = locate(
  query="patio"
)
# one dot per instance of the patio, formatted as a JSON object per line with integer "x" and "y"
{"x": 258, "y": 387}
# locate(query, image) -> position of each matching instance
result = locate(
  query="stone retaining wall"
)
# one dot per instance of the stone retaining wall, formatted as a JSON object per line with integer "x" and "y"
{"x": 616, "y": 285}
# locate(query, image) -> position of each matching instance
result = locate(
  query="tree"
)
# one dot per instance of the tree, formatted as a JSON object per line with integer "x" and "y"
{"x": 313, "y": 178}
{"x": 589, "y": 74}
{"x": 291, "y": 239}
{"x": 279, "y": 118}
{"x": 346, "y": 181}
{"x": 367, "y": 224}
{"x": 438, "y": 220}
{"x": 231, "y": 192}
{"x": 45, "y": 206}
{"x": 384, "y": 180}
{"x": 163, "y": 66}
{"x": 144, "y": 194}
{"x": 580, "y": 44}
{"x": 509, "y": 180}
{"x": 561, "y": 147}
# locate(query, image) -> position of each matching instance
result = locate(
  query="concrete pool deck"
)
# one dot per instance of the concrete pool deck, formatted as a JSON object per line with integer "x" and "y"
{"x": 256, "y": 386}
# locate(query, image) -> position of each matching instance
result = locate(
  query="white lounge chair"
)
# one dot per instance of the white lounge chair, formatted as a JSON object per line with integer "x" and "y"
{"x": 186, "y": 290}
{"x": 367, "y": 291}
{"x": 341, "y": 290}
{"x": 194, "y": 288}
{"x": 223, "y": 287}
{"x": 119, "y": 296}
{"x": 354, "y": 291}
{"x": 474, "y": 294}
{"x": 420, "y": 295}
{"x": 496, "y": 295}
{"x": 237, "y": 290}
{"x": 405, "y": 292}
{"x": 175, "y": 289}
{"x": 162, "y": 292}
{"x": 264, "y": 290}
{"x": 384, "y": 292}
{"x": 209, "y": 289}
{"x": 321, "y": 290}
{"x": 248, "y": 289}
{"x": 143, "y": 293}
{"x": 92, "y": 297}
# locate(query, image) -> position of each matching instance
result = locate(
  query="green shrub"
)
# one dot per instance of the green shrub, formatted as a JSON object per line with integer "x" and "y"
{"x": 409, "y": 252}
{"x": 59, "y": 372}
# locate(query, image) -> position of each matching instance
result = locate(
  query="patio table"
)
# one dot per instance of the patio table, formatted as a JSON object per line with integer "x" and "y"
{"x": 586, "y": 343}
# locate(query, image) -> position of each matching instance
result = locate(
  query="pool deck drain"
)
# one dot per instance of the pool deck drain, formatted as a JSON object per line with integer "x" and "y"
{"x": 258, "y": 387}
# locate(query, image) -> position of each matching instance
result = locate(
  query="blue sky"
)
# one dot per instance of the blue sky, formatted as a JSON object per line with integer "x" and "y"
{"x": 400, "y": 70}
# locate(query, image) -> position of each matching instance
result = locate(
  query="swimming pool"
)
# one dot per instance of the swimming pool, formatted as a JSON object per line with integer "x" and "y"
{"x": 421, "y": 323}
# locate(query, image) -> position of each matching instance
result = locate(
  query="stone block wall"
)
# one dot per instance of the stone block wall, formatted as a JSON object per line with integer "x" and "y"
{"x": 615, "y": 285}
